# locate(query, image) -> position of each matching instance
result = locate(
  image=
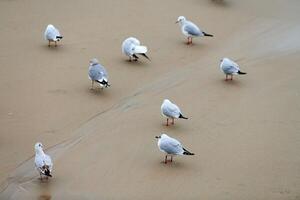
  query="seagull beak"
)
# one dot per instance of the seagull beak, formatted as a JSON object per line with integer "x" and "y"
{"x": 157, "y": 137}
{"x": 176, "y": 22}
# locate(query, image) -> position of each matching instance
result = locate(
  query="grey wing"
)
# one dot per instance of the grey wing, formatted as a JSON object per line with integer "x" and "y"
{"x": 51, "y": 33}
{"x": 103, "y": 71}
{"x": 171, "y": 110}
{"x": 229, "y": 69}
{"x": 95, "y": 72}
{"x": 171, "y": 146}
{"x": 192, "y": 29}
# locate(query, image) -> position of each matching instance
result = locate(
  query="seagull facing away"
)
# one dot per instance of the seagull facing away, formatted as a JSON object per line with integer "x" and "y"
{"x": 230, "y": 68}
{"x": 131, "y": 47}
{"x": 171, "y": 110}
{"x": 190, "y": 30}
{"x": 52, "y": 34}
{"x": 42, "y": 161}
{"x": 171, "y": 147}
{"x": 97, "y": 73}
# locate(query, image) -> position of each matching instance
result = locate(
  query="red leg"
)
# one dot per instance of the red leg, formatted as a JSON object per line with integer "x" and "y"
{"x": 166, "y": 159}
{"x": 231, "y": 77}
{"x": 172, "y": 120}
{"x": 226, "y": 77}
{"x": 167, "y": 121}
{"x": 171, "y": 158}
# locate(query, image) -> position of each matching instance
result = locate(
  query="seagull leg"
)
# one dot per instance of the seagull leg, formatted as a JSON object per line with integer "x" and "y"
{"x": 41, "y": 176}
{"x": 171, "y": 158}
{"x": 191, "y": 40}
{"x": 188, "y": 42}
{"x": 167, "y": 121}
{"x": 92, "y": 85}
{"x": 226, "y": 77}
{"x": 55, "y": 43}
{"x": 166, "y": 159}
{"x": 48, "y": 43}
{"x": 173, "y": 121}
{"x": 231, "y": 77}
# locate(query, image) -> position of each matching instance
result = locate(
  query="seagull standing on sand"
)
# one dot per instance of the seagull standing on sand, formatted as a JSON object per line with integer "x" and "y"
{"x": 42, "y": 161}
{"x": 171, "y": 147}
{"x": 52, "y": 34}
{"x": 190, "y": 30}
{"x": 131, "y": 47}
{"x": 171, "y": 110}
{"x": 229, "y": 68}
{"x": 97, "y": 73}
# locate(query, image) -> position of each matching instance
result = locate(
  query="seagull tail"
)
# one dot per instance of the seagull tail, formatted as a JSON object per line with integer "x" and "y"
{"x": 241, "y": 73}
{"x": 182, "y": 117}
{"x": 104, "y": 83}
{"x": 186, "y": 152}
{"x": 206, "y": 34}
{"x": 47, "y": 172}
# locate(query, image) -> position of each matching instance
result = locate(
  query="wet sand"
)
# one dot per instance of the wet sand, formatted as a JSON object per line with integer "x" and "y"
{"x": 245, "y": 133}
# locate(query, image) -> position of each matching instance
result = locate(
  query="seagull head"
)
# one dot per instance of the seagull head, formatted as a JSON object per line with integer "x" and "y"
{"x": 38, "y": 146}
{"x": 180, "y": 19}
{"x": 94, "y": 61}
{"x": 167, "y": 101}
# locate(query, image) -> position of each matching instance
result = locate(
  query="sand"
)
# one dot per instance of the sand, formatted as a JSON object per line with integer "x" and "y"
{"x": 245, "y": 132}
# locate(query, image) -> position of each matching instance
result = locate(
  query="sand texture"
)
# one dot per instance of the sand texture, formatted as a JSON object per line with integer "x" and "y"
{"x": 245, "y": 132}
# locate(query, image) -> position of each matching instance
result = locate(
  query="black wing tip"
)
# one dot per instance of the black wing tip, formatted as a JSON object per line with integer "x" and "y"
{"x": 182, "y": 117}
{"x": 241, "y": 73}
{"x": 186, "y": 152}
{"x": 143, "y": 54}
{"x": 208, "y": 35}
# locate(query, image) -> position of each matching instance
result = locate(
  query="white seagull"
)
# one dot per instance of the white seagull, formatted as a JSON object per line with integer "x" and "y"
{"x": 97, "y": 73}
{"x": 52, "y": 34}
{"x": 171, "y": 110}
{"x": 42, "y": 161}
{"x": 190, "y": 30}
{"x": 229, "y": 68}
{"x": 131, "y": 47}
{"x": 171, "y": 147}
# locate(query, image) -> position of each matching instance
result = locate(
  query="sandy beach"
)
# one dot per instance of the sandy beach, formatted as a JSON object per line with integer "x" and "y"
{"x": 245, "y": 132}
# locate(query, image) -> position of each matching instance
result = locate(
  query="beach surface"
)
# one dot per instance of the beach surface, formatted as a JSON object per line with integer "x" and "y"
{"x": 244, "y": 133}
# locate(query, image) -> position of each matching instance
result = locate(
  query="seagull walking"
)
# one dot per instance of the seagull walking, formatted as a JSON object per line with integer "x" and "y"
{"x": 52, "y": 34}
{"x": 97, "y": 73}
{"x": 42, "y": 161}
{"x": 131, "y": 47}
{"x": 171, "y": 147}
{"x": 190, "y": 30}
{"x": 171, "y": 111}
{"x": 230, "y": 68}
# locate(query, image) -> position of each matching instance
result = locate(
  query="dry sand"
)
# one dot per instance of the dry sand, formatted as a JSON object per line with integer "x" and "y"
{"x": 245, "y": 133}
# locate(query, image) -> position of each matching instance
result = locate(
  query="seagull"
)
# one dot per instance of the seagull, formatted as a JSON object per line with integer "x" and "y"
{"x": 171, "y": 147}
{"x": 52, "y": 34}
{"x": 131, "y": 47}
{"x": 190, "y": 30}
{"x": 229, "y": 68}
{"x": 42, "y": 161}
{"x": 171, "y": 110}
{"x": 98, "y": 73}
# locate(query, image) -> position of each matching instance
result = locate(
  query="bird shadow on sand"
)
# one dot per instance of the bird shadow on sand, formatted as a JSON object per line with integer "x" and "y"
{"x": 231, "y": 83}
{"x": 59, "y": 48}
{"x": 97, "y": 91}
{"x": 139, "y": 63}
